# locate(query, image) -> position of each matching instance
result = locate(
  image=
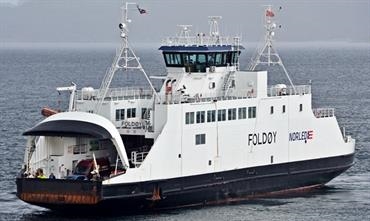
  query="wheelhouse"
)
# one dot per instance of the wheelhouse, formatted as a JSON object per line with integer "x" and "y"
{"x": 198, "y": 58}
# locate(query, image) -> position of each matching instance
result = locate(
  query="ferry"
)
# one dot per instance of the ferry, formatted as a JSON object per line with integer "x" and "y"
{"x": 212, "y": 134}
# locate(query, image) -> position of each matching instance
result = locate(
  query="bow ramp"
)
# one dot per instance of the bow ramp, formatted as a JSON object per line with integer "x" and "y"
{"x": 79, "y": 125}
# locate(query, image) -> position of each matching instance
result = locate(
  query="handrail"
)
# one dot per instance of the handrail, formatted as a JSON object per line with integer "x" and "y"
{"x": 283, "y": 90}
{"x": 323, "y": 112}
{"x": 197, "y": 40}
{"x": 176, "y": 97}
{"x": 137, "y": 158}
{"x": 116, "y": 94}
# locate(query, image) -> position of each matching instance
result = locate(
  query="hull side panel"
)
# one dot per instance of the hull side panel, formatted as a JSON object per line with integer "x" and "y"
{"x": 207, "y": 189}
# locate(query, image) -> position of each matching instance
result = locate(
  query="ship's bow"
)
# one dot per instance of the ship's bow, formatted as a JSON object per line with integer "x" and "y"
{"x": 53, "y": 193}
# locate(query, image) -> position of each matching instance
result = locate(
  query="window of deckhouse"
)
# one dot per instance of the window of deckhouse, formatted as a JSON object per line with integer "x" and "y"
{"x": 145, "y": 113}
{"x": 189, "y": 118}
{"x": 200, "y": 117}
{"x": 231, "y": 114}
{"x": 221, "y": 115}
{"x": 120, "y": 114}
{"x": 131, "y": 112}
{"x": 211, "y": 116}
{"x": 251, "y": 112}
{"x": 242, "y": 113}
{"x": 200, "y": 139}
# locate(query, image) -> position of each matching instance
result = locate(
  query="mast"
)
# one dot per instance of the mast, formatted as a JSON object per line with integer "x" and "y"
{"x": 268, "y": 54}
{"x": 125, "y": 58}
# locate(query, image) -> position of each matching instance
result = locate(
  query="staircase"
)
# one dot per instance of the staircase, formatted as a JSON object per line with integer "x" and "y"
{"x": 228, "y": 79}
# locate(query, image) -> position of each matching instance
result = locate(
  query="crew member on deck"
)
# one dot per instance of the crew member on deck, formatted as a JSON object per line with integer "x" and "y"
{"x": 52, "y": 176}
{"x": 40, "y": 174}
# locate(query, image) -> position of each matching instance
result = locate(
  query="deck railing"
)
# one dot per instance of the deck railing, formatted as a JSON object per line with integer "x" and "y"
{"x": 125, "y": 93}
{"x": 323, "y": 112}
{"x": 176, "y": 97}
{"x": 198, "y": 40}
{"x": 282, "y": 90}
{"x": 137, "y": 158}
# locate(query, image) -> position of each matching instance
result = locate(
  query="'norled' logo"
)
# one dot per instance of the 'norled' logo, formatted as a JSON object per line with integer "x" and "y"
{"x": 302, "y": 135}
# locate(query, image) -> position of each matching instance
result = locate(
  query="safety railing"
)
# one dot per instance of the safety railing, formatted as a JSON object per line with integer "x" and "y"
{"x": 198, "y": 40}
{"x": 283, "y": 90}
{"x": 178, "y": 97}
{"x": 323, "y": 112}
{"x": 137, "y": 158}
{"x": 129, "y": 93}
{"x": 175, "y": 97}
{"x": 126, "y": 93}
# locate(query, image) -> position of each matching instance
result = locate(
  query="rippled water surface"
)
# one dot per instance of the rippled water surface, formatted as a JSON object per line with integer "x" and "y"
{"x": 340, "y": 77}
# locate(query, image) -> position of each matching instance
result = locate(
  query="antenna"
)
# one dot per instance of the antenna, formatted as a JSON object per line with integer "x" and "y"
{"x": 213, "y": 26}
{"x": 125, "y": 59}
{"x": 214, "y": 31}
{"x": 184, "y": 33}
{"x": 268, "y": 54}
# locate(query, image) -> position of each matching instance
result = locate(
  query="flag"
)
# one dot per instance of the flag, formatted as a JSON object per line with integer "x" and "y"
{"x": 141, "y": 11}
{"x": 269, "y": 13}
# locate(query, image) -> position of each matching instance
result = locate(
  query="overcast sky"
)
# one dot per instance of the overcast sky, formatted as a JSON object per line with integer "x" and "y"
{"x": 97, "y": 20}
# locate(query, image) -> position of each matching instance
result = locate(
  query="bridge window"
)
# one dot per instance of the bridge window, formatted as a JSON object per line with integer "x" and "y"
{"x": 197, "y": 62}
{"x": 211, "y": 59}
{"x": 283, "y": 108}
{"x": 190, "y": 59}
{"x": 173, "y": 59}
{"x": 233, "y": 56}
{"x": 211, "y": 116}
{"x": 300, "y": 107}
{"x": 218, "y": 60}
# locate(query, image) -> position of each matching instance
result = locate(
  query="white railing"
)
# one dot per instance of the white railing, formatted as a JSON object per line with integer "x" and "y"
{"x": 323, "y": 112}
{"x": 137, "y": 158}
{"x": 197, "y": 40}
{"x": 288, "y": 90}
{"x": 129, "y": 93}
{"x": 116, "y": 94}
{"x": 178, "y": 97}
